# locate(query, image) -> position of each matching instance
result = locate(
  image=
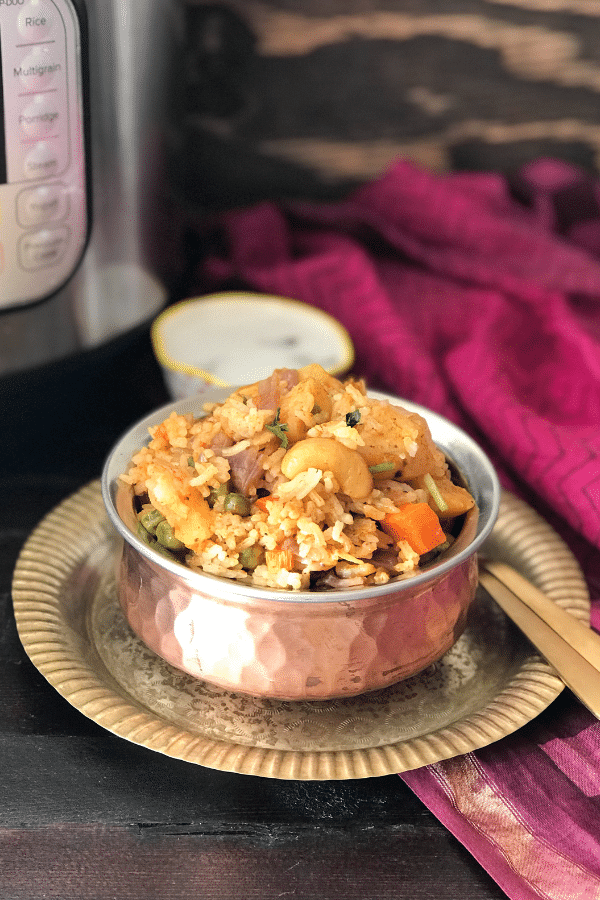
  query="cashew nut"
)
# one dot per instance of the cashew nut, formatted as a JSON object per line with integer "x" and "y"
{"x": 347, "y": 466}
{"x": 359, "y": 569}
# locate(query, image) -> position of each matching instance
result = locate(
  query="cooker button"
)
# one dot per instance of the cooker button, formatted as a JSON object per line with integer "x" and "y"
{"x": 39, "y": 117}
{"x": 35, "y": 20}
{"x": 43, "y": 248}
{"x": 45, "y": 203}
{"x": 39, "y": 69}
{"x": 41, "y": 162}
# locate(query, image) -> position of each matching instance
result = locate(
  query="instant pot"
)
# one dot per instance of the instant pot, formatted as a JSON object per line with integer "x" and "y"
{"x": 84, "y": 214}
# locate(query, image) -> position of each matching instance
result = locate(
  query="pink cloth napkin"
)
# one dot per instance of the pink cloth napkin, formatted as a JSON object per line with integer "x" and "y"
{"x": 485, "y": 308}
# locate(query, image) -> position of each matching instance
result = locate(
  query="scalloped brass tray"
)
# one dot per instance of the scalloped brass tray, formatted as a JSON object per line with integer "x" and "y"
{"x": 488, "y": 685}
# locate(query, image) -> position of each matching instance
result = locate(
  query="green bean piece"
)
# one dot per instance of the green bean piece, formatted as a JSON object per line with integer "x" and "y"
{"x": 165, "y": 537}
{"x": 216, "y": 493}
{"x": 145, "y": 535}
{"x": 251, "y": 557}
{"x": 150, "y": 519}
{"x": 237, "y": 503}
{"x": 382, "y": 467}
{"x": 168, "y": 554}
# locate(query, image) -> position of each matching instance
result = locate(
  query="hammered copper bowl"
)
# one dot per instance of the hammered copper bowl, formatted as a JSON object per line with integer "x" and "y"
{"x": 299, "y": 645}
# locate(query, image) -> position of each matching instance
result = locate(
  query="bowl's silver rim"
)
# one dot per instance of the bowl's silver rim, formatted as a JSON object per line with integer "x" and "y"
{"x": 487, "y": 496}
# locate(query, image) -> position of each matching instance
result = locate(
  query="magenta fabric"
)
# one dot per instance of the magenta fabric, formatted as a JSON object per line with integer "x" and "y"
{"x": 480, "y": 300}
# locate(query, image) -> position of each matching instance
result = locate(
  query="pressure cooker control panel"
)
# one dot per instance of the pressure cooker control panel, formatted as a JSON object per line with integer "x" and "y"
{"x": 43, "y": 183}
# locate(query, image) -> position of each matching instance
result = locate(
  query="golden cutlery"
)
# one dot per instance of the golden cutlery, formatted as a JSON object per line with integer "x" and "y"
{"x": 570, "y": 647}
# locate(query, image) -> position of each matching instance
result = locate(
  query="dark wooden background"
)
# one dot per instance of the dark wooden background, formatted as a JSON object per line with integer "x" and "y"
{"x": 280, "y": 98}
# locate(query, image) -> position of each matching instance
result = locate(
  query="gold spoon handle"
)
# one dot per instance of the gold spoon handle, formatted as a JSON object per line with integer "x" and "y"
{"x": 570, "y": 647}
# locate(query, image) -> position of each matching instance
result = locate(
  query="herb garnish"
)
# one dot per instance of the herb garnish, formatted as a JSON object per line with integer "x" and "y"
{"x": 278, "y": 429}
{"x": 353, "y": 418}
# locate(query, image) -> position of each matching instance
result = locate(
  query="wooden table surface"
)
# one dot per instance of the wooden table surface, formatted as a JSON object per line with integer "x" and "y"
{"x": 84, "y": 814}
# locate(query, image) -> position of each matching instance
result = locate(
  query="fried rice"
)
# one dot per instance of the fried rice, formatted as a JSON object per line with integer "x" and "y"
{"x": 299, "y": 481}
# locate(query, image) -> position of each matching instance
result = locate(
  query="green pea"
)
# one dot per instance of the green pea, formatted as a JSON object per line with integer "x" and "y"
{"x": 251, "y": 557}
{"x": 237, "y": 503}
{"x": 216, "y": 493}
{"x": 150, "y": 519}
{"x": 165, "y": 537}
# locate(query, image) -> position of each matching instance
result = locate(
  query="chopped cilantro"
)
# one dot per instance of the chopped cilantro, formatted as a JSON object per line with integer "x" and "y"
{"x": 278, "y": 429}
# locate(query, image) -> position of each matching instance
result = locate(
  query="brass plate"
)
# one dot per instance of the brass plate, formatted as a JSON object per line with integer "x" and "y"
{"x": 488, "y": 685}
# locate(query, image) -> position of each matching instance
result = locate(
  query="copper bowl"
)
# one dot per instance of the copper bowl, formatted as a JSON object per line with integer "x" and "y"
{"x": 300, "y": 645}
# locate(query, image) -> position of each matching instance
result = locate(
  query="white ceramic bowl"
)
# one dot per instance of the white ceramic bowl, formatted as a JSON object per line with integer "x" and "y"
{"x": 238, "y": 338}
{"x": 300, "y": 645}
